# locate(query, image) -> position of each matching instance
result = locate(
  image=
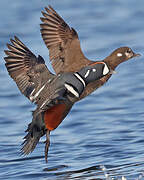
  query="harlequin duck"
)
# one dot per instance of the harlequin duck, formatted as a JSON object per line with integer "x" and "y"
{"x": 55, "y": 94}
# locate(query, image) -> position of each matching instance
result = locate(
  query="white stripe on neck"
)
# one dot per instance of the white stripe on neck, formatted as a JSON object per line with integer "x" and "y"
{"x": 106, "y": 69}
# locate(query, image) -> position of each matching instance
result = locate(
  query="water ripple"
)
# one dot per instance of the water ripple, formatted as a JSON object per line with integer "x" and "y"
{"x": 102, "y": 137}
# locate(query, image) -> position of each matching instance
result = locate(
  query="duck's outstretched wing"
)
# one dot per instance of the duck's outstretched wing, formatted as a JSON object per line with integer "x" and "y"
{"x": 28, "y": 71}
{"x": 63, "y": 43}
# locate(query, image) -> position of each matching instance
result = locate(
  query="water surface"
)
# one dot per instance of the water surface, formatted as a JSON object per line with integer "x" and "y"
{"x": 103, "y": 136}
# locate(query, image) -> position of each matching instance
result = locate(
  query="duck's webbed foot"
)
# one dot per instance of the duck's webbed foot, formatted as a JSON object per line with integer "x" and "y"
{"x": 47, "y": 144}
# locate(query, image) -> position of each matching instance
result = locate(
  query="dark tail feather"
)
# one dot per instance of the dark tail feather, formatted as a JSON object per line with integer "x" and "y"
{"x": 36, "y": 129}
{"x": 31, "y": 139}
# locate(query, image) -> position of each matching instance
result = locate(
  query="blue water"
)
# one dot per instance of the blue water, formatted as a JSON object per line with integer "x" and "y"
{"x": 103, "y": 136}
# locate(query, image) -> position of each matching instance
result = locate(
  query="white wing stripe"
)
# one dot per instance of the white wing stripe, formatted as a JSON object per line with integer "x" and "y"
{"x": 36, "y": 95}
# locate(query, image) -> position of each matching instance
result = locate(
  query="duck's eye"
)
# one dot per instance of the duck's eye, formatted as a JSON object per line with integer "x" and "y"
{"x": 128, "y": 51}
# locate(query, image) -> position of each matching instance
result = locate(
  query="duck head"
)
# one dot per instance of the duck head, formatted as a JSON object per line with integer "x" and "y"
{"x": 120, "y": 55}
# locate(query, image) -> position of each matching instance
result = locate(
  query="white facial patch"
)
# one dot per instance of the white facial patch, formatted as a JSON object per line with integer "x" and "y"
{"x": 72, "y": 90}
{"x": 106, "y": 70}
{"x": 128, "y": 54}
{"x": 119, "y": 54}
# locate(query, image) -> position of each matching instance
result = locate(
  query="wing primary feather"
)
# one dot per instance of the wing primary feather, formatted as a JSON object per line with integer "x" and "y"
{"x": 25, "y": 68}
{"x": 62, "y": 41}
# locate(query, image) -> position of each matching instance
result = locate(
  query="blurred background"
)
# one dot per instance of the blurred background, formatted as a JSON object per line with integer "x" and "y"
{"x": 103, "y": 136}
